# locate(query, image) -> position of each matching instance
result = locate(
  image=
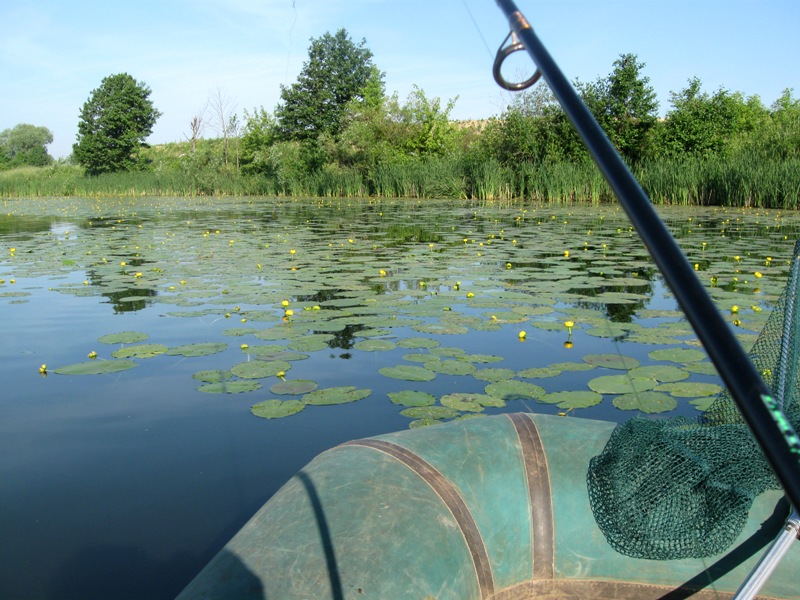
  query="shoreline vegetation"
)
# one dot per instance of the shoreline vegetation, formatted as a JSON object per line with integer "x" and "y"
{"x": 739, "y": 181}
{"x": 337, "y": 134}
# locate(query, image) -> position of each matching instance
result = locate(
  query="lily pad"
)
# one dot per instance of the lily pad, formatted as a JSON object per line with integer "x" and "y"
{"x": 96, "y": 367}
{"x": 236, "y": 386}
{"x": 572, "y": 399}
{"x": 539, "y": 373}
{"x": 571, "y": 366}
{"x": 441, "y": 328}
{"x": 621, "y": 384}
{"x": 239, "y": 331}
{"x": 336, "y": 395}
{"x": 701, "y": 368}
{"x": 462, "y": 402}
{"x": 450, "y": 367}
{"x": 426, "y": 422}
{"x": 294, "y": 386}
{"x": 140, "y": 351}
{"x": 647, "y": 402}
{"x": 494, "y": 375}
{"x": 258, "y": 369}
{"x": 124, "y": 337}
{"x": 412, "y": 398}
{"x": 612, "y": 361}
{"x": 202, "y": 349}
{"x": 311, "y": 343}
{"x": 275, "y": 409}
{"x": 702, "y": 404}
{"x": 374, "y": 345}
{"x": 678, "y": 355}
{"x": 430, "y": 412}
{"x": 514, "y": 390}
{"x": 416, "y": 343}
{"x": 407, "y": 373}
{"x": 690, "y": 389}
{"x": 449, "y": 352}
{"x": 661, "y": 373}
{"x": 212, "y": 376}
{"x": 481, "y": 358}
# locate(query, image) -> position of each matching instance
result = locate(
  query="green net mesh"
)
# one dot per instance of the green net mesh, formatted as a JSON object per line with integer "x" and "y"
{"x": 680, "y": 487}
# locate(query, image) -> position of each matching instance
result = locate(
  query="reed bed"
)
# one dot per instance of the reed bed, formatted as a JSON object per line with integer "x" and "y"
{"x": 741, "y": 180}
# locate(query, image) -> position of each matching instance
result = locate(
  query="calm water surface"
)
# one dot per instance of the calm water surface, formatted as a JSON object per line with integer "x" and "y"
{"x": 124, "y": 484}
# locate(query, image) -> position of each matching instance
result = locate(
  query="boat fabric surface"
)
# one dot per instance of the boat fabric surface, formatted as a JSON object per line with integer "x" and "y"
{"x": 491, "y": 508}
{"x": 681, "y": 487}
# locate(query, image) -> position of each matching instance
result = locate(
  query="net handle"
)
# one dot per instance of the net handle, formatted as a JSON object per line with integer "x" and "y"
{"x": 762, "y": 413}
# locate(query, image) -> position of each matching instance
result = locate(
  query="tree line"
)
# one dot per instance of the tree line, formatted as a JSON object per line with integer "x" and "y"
{"x": 336, "y": 131}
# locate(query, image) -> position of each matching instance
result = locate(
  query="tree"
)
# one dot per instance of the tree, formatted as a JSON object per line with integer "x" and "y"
{"x": 533, "y": 129}
{"x": 625, "y": 106}
{"x": 223, "y": 119}
{"x": 335, "y": 73}
{"x": 24, "y": 145}
{"x": 706, "y": 125}
{"x": 114, "y": 123}
{"x": 257, "y": 137}
{"x": 196, "y": 127}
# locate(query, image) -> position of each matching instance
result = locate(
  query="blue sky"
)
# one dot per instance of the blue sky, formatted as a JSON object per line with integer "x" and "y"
{"x": 53, "y": 53}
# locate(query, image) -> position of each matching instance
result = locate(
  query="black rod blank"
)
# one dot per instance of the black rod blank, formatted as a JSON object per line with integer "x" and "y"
{"x": 762, "y": 413}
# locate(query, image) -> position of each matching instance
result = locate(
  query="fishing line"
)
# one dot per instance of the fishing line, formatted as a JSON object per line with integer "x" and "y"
{"x": 478, "y": 28}
{"x": 289, "y": 54}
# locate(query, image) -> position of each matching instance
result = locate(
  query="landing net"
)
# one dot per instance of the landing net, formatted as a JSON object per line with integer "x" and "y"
{"x": 681, "y": 487}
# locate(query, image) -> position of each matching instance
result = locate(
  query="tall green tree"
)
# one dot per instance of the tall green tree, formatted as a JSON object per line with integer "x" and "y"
{"x": 257, "y": 137}
{"x": 704, "y": 124}
{"x": 25, "y": 145}
{"x": 114, "y": 123}
{"x": 625, "y": 105}
{"x": 335, "y": 73}
{"x": 533, "y": 129}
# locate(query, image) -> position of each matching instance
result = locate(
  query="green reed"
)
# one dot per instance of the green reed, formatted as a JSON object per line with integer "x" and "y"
{"x": 740, "y": 180}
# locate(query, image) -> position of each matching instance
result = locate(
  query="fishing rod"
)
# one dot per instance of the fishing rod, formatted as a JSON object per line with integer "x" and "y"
{"x": 761, "y": 411}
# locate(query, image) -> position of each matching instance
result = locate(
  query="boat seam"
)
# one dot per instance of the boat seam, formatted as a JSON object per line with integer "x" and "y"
{"x": 452, "y": 500}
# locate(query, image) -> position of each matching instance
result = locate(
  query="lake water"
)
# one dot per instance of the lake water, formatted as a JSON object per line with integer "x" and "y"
{"x": 126, "y": 463}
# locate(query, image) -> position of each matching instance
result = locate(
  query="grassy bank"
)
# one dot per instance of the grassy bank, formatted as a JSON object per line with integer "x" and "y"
{"x": 739, "y": 181}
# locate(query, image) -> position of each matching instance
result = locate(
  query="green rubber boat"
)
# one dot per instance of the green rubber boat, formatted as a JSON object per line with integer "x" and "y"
{"x": 485, "y": 508}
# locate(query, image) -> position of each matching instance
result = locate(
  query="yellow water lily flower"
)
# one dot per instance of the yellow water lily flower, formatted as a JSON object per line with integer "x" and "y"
{"x": 522, "y": 335}
{"x": 288, "y": 312}
{"x": 43, "y": 369}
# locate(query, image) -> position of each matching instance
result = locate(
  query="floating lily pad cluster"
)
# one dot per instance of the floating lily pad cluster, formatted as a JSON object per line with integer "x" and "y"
{"x": 435, "y": 315}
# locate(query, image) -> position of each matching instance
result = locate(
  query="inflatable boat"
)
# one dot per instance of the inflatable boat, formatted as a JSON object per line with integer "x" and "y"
{"x": 486, "y": 508}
